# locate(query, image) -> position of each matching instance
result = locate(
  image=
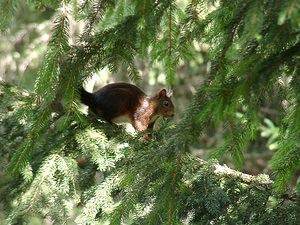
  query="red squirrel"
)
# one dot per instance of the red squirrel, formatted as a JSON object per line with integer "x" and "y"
{"x": 124, "y": 102}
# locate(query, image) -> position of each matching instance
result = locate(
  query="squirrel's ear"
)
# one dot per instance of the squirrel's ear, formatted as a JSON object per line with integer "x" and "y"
{"x": 162, "y": 93}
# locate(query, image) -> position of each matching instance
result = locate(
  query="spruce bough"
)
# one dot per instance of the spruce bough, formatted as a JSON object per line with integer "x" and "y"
{"x": 253, "y": 47}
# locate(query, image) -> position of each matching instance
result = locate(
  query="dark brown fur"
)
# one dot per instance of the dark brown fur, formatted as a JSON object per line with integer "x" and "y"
{"x": 124, "y": 100}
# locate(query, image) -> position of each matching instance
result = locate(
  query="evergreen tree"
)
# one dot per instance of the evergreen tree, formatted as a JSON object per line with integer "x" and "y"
{"x": 253, "y": 47}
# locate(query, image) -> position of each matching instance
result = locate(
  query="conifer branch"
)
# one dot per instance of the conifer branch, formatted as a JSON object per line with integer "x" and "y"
{"x": 172, "y": 189}
{"x": 24, "y": 152}
{"x": 157, "y": 182}
{"x": 7, "y": 11}
{"x": 226, "y": 172}
{"x": 170, "y": 47}
{"x": 95, "y": 16}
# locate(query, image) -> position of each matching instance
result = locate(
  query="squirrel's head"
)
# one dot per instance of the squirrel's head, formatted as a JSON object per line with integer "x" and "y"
{"x": 164, "y": 104}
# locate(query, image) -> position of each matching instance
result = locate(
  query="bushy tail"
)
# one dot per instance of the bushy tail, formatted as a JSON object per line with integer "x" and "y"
{"x": 86, "y": 97}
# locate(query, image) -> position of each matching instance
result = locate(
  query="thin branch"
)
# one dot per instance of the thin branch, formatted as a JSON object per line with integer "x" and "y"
{"x": 225, "y": 171}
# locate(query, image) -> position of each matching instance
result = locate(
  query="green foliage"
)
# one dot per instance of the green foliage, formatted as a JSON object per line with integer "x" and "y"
{"x": 56, "y": 159}
{"x": 7, "y": 11}
{"x": 247, "y": 60}
{"x": 54, "y": 183}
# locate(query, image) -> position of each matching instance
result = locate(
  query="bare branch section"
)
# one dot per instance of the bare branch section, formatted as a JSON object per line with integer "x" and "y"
{"x": 226, "y": 172}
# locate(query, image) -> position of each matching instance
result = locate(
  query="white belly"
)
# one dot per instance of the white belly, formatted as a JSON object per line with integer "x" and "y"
{"x": 126, "y": 122}
{"x": 122, "y": 119}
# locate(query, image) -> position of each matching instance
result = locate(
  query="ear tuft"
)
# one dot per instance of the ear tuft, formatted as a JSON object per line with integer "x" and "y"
{"x": 169, "y": 93}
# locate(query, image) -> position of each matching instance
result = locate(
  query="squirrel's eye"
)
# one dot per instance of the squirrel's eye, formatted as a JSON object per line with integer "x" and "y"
{"x": 166, "y": 103}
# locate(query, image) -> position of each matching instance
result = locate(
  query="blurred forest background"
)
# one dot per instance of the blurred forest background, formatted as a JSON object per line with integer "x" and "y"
{"x": 24, "y": 43}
